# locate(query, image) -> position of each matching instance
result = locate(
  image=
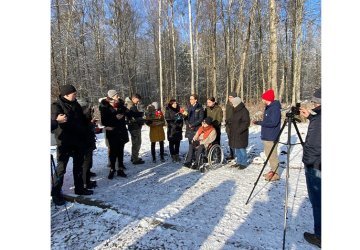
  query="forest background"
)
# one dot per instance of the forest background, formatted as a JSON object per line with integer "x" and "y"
{"x": 206, "y": 47}
{"x": 26, "y": 75}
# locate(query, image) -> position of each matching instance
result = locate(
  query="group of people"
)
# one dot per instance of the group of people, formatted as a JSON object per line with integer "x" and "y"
{"x": 73, "y": 124}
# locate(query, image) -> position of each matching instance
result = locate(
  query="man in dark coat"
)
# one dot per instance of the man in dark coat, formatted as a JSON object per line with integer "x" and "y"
{"x": 193, "y": 120}
{"x": 90, "y": 145}
{"x": 239, "y": 132}
{"x": 174, "y": 119}
{"x": 312, "y": 163}
{"x": 134, "y": 125}
{"x": 71, "y": 141}
{"x": 270, "y": 129}
{"x": 228, "y": 114}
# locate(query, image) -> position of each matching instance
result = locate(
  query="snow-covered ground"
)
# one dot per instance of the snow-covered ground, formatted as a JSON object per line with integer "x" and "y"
{"x": 167, "y": 206}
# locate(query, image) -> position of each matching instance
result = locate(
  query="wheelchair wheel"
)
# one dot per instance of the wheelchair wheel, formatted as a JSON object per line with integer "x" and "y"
{"x": 215, "y": 157}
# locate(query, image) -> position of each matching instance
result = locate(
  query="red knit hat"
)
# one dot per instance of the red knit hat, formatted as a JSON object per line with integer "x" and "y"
{"x": 268, "y": 95}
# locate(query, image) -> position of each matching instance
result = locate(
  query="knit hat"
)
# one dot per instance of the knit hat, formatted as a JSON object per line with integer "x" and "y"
{"x": 111, "y": 93}
{"x": 155, "y": 104}
{"x": 317, "y": 96}
{"x": 208, "y": 120}
{"x": 233, "y": 94}
{"x": 268, "y": 95}
{"x": 67, "y": 89}
{"x": 236, "y": 101}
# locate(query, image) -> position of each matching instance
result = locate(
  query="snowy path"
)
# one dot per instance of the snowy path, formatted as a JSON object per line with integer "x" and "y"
{"x": 165, "y": 206}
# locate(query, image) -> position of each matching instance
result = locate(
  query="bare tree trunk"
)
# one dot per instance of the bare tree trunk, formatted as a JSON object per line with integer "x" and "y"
{"x": 297, "y": 47}
{"x": 240, "y": 86}
{"x": 213, "y": 50}
{"x": 191, "y": 49}
{"x": 273, "y": 46}
{"x": 173, "y": 48}
{"x": 160, "y": 58}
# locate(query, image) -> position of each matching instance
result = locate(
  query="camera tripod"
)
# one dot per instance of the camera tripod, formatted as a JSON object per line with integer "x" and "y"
{"x": 290, "y": 119}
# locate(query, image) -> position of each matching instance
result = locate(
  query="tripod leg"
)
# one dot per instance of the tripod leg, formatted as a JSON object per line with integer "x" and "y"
{"x": 298, "y": 133}
{"x": 267, "y": 159}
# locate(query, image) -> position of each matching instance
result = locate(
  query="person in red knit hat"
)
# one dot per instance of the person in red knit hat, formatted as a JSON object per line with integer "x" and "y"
{"x": 270, "y": 129}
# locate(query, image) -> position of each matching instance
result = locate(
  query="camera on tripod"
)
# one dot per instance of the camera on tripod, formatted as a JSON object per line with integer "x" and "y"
{"x": 295, "y": 110}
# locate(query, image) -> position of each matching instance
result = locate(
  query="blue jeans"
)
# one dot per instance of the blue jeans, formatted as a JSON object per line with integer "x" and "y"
{"x": 313, "y": 182}
{"x": 241, "y": 156}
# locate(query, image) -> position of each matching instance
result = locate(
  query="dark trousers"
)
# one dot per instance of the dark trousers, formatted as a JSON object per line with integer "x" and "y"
{"x": 135, "y": 143}
{"x": 161, "y": 149}
{"x": 174, "y": 147}
{"x": 63, "y": 156}
{"x": 313, "y": 182}
{"x": 190, "y": 154}
{"x": 116, "y": 152}
{"x": 87, "y": 165}
{"x": 218, "y": 135}
{"x": 199, "y": 150}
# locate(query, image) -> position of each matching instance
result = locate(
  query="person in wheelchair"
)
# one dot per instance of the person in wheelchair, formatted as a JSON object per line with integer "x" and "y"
{"x": 203, "y": 138}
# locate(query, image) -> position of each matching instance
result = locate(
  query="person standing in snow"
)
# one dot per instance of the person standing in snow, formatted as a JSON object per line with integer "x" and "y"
{"x": 312, "y": 163}
{"x": 113, "y": 111}
{"x": 174, "y": 119}
{"x": 270, "y": 129}
{"x": 134, "y": 125}
{"x": 155, "y": 120}
{"x": 88, "y": 111}
{"x": 214, "y": 111}
{"x": 71, "y": 139}
{"x": 228, "y": 114}
{"x": 193, "y": 119}
{"x": 239, "y": 132}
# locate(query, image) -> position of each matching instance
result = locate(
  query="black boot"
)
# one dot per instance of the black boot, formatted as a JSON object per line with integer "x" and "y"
{"x": 162, "y": 158}
{"x": 121, "y": 173}
{"x": 111, "y": 174}
{"x": 90, "y": 185}
{"x": 312, "y": 239}
{"x": 58, "y": 200}
{"x": 84, "y": 191}
{"x": 92, "y": 174}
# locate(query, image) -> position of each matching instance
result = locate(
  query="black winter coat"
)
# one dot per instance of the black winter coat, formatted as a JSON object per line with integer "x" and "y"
{"x": 239, "y": 127}
{"x": 135, "y": 120}
{"x": 174, "y": 123}
{"x": 109, "y": 119}
{"x": 312, "y": 145}
{"x": 74, "y": 132}
{"x": 194, "y": 119}
{"x": 229, "y": 109}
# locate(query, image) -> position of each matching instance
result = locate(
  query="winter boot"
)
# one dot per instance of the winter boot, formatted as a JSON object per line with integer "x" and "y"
{"x": 162, "y": 158}
{"x": 173, "y": 158}
{"x": 58, "y": 200}
{"x": 90, "y": 185}
{"x": 111, "y": 174}
{"x": 121, "y": 173}
{"x": 272, "y": 176}
{"x": 84, "y": 191}
{"x": 312, "y": 239}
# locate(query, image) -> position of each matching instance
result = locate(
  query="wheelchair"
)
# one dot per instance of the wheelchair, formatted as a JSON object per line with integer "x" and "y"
{"x": 211, "y": 158}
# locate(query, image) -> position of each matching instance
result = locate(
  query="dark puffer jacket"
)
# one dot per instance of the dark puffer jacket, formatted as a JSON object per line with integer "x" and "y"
{"x": 135, "y": 120}
{"x": 109, "y": 119}
{"x": 312, "y": 145}
{"x": 175, "y": 123}
{"x": 193, "y": 120}
{"x": 239, "y": 127}
{"x": 74, "y": 132}
{"x": 270, "y": 125}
